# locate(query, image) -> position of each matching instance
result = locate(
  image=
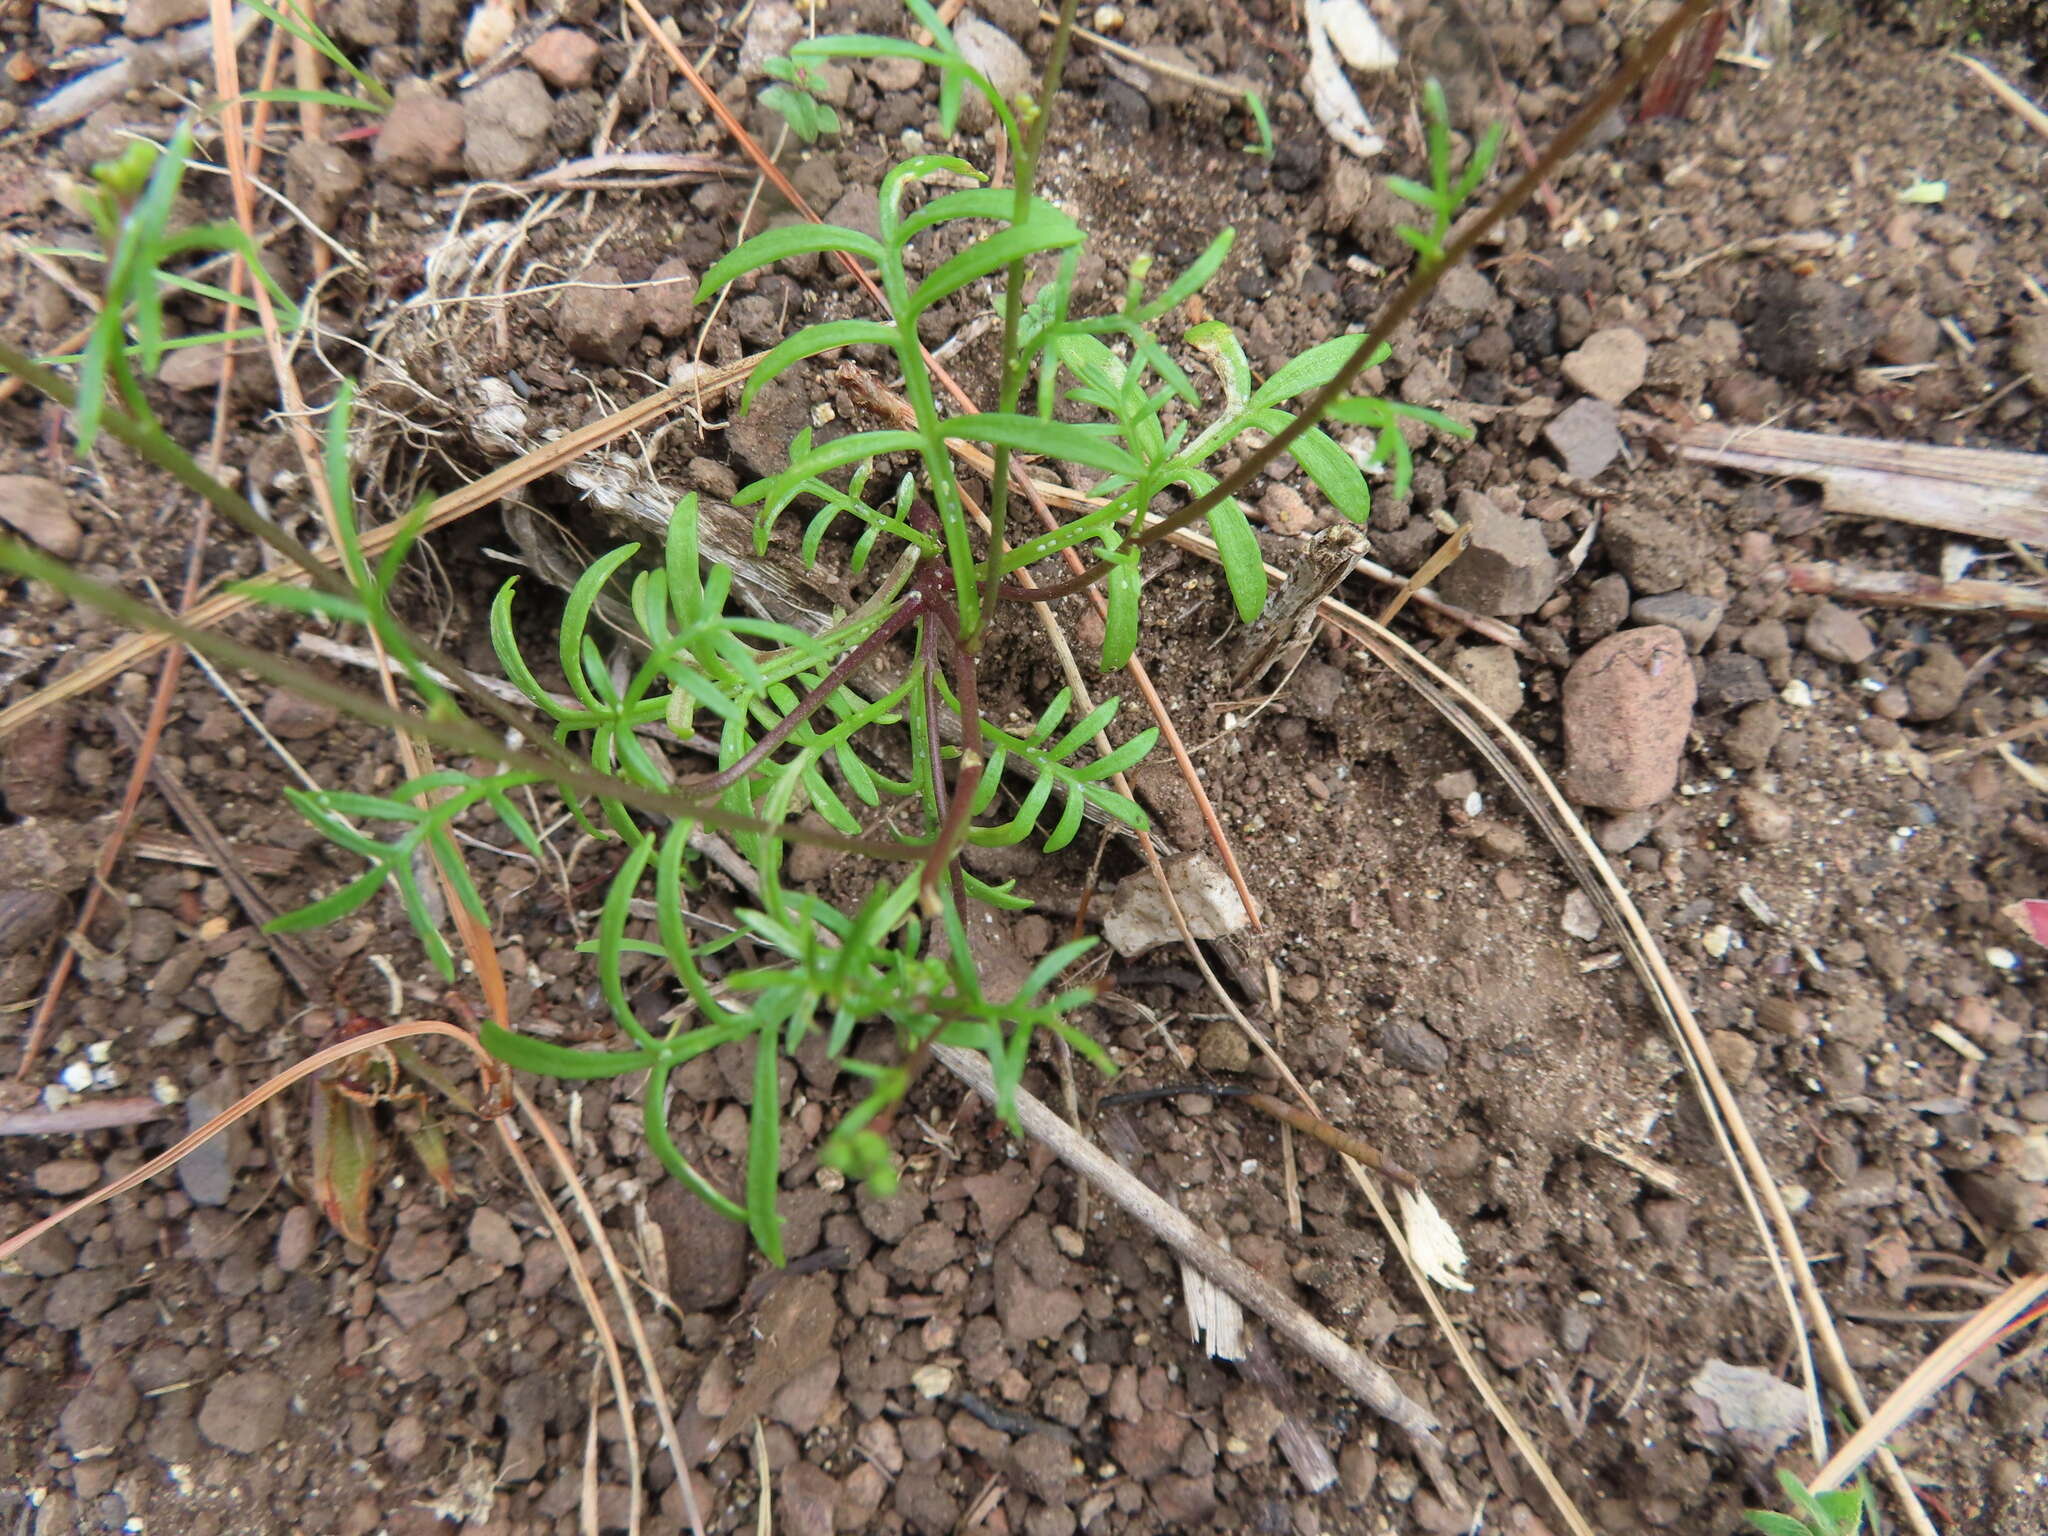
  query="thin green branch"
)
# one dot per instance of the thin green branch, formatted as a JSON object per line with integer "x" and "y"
{"x": 1015, "y": 365}
{"x": 1420, "y": 282}
{"x": 451, "y": 732}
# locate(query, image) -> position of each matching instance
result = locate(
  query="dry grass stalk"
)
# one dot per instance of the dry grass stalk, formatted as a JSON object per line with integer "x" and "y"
{"x": 546, "y": 460}
{"x": 163, "y": 1162}
{"x": 1930, "y": 1376}
{"x": 1371, "y": 1383}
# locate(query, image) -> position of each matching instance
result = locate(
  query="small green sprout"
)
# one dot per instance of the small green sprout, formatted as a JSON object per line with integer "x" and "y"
{"x": 791, "y": 97}
{"x": 1837, "y": 1513}
{"x": 1446, "y": 193}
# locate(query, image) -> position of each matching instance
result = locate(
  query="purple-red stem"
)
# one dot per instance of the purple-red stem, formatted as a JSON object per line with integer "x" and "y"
{"x": 809, "y": 704}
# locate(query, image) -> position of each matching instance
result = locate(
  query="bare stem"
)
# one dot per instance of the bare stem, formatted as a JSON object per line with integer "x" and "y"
{"x": 809, "y": 704}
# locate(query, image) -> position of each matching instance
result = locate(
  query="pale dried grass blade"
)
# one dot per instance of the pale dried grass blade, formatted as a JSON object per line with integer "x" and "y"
{"x": 1929, "y": 1377}
{"x": 764, "y": 1515}
{"x": 1214, "y": 1317}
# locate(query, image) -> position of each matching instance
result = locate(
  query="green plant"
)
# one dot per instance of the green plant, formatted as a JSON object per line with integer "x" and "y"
{"x": 804, "y": 723}
{"x": 791, "y": 98}
{"x": 1837, "y": 1513}
{"x": 129, "y": 202}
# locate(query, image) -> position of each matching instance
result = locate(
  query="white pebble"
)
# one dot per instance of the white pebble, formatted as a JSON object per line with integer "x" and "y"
{"x": 1797, "y": 694}
{"x": 77, "y": 1077}
{"x": 2003, "y": 958}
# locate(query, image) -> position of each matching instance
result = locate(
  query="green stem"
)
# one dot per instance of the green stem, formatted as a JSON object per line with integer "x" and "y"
{"x": 456, "y": 733}
{"x": 974, "y": 625}
{"x": 1413, "y": 292}
{"x": 141, "y": 432}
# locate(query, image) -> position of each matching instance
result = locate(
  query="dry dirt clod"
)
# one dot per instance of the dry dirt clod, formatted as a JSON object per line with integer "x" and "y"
{"x": 1657, "y": 553}
{"x": 492, "y": 1238}
{"x": 1803, "y": 328}
{"x": 1001, "y": 62}
{"x": 207, "y": 1172}
{"x": 1749, "y": 1408}
{"x": 323, "y": 179}
{"x": 1692, "y": 615}
{"x": 1493, "y": 674}
{"x": 295, "y": 719}
{"x": 245, "y": 1411}
{"x": 1935, "y": 687}
{"x": 1223, "y": 1047}
{"x": 505, "y": 125}
{"x": 669, "y": 303}
{"x": 1910, "y": 337}
{"x": 153, "y": 18}
{"x": 1609, "y": 366}
{"x": 2027, "y": 351}
{"x": 66, "y": 1175}
{"x": 707, "y": 1255}
{"x": 1586, "y": 436}
{"x": 1748, "y": 743}
{"x": 420, "y": 140}
{"x": 1507, "y": 568}
{"x": 34, "y": 769}
{"x": 40, "y": 511}
{"x": 99, "y": 1414}
{"x": 1835, "y": 634}
{"x": 598, "y": 320}
{"x": 1764, "y": 817}
{"x": 1627, "y": 708}
{"x": 248, "y": 991}
{"x": 1284, "y": 510}
{"x": 564, "y": 57}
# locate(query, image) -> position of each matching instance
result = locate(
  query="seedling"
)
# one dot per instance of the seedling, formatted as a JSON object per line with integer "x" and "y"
{"x": 791, "y": 98}
{"x": 1836, "y": 1513}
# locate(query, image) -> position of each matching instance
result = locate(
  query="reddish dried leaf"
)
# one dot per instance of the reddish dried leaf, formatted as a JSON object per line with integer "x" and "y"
{"x": 2036, "y": 914}
{"x": 1682, "y": 71}
{"x": 344, "y": 1161}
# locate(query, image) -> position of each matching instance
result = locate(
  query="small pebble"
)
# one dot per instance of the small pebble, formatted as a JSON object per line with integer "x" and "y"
{"x": 67, "y": 1175}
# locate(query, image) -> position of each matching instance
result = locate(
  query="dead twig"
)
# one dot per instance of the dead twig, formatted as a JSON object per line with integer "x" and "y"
{"x": 1913, "y": 589}
{"x": 78, "y": 1119}
{"x": 1370, "y": 1382}
{"x": 1985, "y": 493}
{"x": 2022, "y": 107}
{"x": 305, "y": 974}
{"x": 176, "y": 51}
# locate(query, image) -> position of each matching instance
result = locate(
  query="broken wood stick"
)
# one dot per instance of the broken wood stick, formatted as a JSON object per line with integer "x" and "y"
{"x": 1985, "y": 493}
{"x": 1374, "y": 1386}
{"x": 1915, "y": 589}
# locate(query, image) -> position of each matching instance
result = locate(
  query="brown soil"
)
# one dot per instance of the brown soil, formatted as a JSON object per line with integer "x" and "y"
{"x": 206, "y": 1355}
